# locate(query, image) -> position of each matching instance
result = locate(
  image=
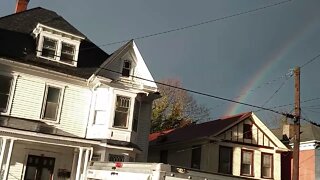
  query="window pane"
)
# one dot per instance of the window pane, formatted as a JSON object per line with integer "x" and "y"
{"x": 116, "y": 158}
{"x": 196, "y": 157}
{"x": 52, "y": 103}
{"x": 121, "y": 112}
{"x": 246, "y": 169}
{"x": 225, "y": 160}
{"x": 3, "y": 102}
{"x": 126, "y": 68}
{"x": 5, "y": 86}
{"x": 247, "y": 131}
{"x": 67, "y": 53}
{"x": 120, "y": 119}
{"x": 49, "y": 47}
{"x": 266, "y": 169}
{"x": 247, "y": 162}
{"x": 51, "y": 110}
{"x": 53, "y": 94}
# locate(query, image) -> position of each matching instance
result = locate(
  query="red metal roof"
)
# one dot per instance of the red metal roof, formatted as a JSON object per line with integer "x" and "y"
{"x": 195, "y": 131}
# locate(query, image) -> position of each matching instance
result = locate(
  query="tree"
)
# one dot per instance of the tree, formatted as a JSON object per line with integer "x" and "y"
{"x": 176, "y": 108}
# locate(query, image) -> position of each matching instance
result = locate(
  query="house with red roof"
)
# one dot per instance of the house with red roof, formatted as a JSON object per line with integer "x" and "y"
{"x": 239, "y": 145}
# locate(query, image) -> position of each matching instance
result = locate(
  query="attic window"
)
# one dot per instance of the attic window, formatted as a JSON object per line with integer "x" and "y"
{"x": 126, "y": 68}
{"x": 49, "y": 48}
{"x": 56, "y": 45}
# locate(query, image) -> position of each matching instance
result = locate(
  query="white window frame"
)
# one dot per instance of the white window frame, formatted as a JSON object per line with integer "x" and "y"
{"x": 132, "y": 97}
{"x": 57, "y": 120}
{"x": 42, "y": 31}
{"x": 11, "y": 93}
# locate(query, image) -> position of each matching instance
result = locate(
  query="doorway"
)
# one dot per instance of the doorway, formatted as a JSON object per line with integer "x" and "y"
{"x": 39, "y": 168}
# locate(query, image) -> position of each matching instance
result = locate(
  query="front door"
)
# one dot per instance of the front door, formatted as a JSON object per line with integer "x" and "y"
{"x": 39, "y": 168}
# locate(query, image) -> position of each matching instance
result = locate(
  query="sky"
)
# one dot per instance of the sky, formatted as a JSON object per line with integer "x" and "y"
{"x": 246, "y": 57}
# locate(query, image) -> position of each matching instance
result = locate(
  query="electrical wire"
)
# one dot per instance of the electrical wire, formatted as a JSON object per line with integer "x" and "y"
{"x": 269, "y": 99}
{"x": 205, "y": 94}
{"x": 194, "y": 25}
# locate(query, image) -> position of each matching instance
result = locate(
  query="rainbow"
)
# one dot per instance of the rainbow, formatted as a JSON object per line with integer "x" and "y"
{"x": 267, "y": 67}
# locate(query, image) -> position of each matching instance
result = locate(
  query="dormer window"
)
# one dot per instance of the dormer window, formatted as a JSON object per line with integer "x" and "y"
{"x": 49, "y": 48}
{"x": 126, "y": 68}
{"x": 67, "y": 53}
{"x": 56, "y": 45}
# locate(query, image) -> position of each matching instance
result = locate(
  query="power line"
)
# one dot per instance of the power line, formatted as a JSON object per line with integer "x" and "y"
{"x": 310, "y": 61}
{"x": 284, "y": 105}
{"x": 206, "y": 94}
{"x": 269, "y": 99}
{"x": 194, "y": 25}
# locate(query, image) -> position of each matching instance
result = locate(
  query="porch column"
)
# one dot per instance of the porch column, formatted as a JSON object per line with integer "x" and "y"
{"x": 6, "y": 172}
{"x": 74, "y": 164}
{"x": 79, "y": 163}
{"x": 85, "y": 166}
{"x": 3, "y": 148}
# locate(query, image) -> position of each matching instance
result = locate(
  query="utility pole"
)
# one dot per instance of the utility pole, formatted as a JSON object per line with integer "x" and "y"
{"x": 296, "y": 119}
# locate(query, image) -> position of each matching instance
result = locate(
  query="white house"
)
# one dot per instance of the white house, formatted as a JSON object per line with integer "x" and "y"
{"x": 239, "y": 145}
{"x": 64, "y": 101}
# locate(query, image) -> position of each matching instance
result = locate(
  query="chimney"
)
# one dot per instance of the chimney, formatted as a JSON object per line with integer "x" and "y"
{"x": 21, "y": 5}
{"x": 287, "y": 130}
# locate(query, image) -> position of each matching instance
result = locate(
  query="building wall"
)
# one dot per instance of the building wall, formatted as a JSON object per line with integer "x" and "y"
{"x": 307, "y": 165}
{"x": 181, "y": 156}
{"x": 28, "y": 101}
{"x": 63, "y": 158}
{"x": 317, "y": 163}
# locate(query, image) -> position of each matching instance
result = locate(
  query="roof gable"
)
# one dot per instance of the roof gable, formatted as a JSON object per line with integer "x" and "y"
{"x": 206, "y": 129}
{"x": 225, "y": 129}
{"x": 112, "y": 67}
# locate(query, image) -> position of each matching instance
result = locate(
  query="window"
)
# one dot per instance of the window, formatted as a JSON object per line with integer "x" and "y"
{"x": 266, "y": 165}
{"x": 67, "y": 53}
{"x": 49, "y": 48}
{"x": 247, "y": 163}
{"x": 55, "y": 48}
{"x": 116, "y": 158}
{"x": 126, "y": 68}
{"x": 164, "y": 156}
{"x": 122, "y": 112}
{"x": 247, "y": 131}
{"x": 136, "y": 113}
{"x": 96, "y": 157}
{"x": 51, "y": 103}
{"x": 5, "y": 90}
{"x": 196, "y": 157}
{"x": 225, "y": 160}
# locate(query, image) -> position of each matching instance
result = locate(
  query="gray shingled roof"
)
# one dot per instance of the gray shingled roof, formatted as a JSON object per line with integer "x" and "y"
{"x": 26, "y": 21}
{"x": 309, "y": 132}
{"x": 18, "y": 28}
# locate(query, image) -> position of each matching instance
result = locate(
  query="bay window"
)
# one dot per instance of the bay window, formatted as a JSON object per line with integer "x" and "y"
{"x": 121, "y": 116}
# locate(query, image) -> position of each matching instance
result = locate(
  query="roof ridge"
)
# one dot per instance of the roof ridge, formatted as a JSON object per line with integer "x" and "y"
{"x": 28, "y": 10}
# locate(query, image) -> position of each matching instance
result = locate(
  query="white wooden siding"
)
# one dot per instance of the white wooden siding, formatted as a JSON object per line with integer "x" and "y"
{"x": 28, "y": 97}
{"x": 75, "y": 111}
{"x": 28, "y": 100}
